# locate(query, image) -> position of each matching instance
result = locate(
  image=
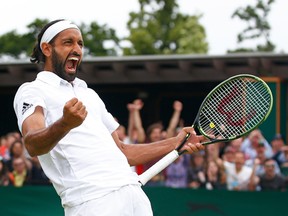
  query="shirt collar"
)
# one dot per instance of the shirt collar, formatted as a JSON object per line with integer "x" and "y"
{"x": 54, "y": 80}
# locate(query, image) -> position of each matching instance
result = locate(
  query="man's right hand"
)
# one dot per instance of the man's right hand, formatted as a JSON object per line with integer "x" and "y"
{"x": 74, "y": 113}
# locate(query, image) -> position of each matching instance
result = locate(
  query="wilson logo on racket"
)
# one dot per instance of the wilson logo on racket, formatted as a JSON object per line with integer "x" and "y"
{"x": 230, "y": 114}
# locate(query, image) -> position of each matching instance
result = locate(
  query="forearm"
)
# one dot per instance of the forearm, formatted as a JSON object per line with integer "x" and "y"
{"x": 43, "y": 140}
{"x": 173, "y": 123}
{"x": 138, "y": 125}
{"x": 143, "y": 153}
{"x": 130, "y": 124}
{"x": 141, "y": 135}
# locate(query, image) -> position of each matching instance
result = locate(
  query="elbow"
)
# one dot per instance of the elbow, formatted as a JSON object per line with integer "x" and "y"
{"x": 30, "y": 150}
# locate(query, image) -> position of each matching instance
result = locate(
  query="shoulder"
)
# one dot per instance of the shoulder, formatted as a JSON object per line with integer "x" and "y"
{"x": 35, "y": 84}
{"x": 29, "y": 88}
{"x": 23, "y": 88}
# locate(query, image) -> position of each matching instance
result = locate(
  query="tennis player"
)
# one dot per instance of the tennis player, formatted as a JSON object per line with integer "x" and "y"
{"x": 67, "y": 126}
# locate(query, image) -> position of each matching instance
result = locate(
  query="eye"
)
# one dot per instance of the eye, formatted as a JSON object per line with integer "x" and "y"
{"x": 81, "y": 44}
{"x": 67, "y": 42}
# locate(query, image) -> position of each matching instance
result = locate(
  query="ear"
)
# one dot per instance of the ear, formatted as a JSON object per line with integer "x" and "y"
{"x": 46, "y": 49}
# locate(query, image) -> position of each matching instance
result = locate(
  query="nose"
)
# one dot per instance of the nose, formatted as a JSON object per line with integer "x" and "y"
{"x": 77, "y": 49}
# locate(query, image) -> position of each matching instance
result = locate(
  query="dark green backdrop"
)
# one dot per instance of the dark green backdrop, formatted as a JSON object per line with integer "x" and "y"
{"x": 43, "y": 201}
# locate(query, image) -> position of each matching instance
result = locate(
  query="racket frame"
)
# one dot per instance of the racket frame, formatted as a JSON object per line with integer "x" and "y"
{"x": 173, "y": 155}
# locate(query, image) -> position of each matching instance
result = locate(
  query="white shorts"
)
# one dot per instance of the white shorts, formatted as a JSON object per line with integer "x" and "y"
{"x": 129, "y": 200}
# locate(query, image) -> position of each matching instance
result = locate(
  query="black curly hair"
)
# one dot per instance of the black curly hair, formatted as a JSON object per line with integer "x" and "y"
{"x": 37, "y": 55}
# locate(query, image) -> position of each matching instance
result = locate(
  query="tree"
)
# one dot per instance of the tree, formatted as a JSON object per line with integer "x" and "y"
{"x": 99, "y": 40}
{"x": 258, "y": 26}
{"x": 159, "y": 28}
{"x": 17, "y": 45}
{"x": 11, "y": 44}
{"x": 95, "y": 39}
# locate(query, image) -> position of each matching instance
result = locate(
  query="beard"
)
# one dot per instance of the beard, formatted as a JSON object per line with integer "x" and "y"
{"x": 59, "y": 67}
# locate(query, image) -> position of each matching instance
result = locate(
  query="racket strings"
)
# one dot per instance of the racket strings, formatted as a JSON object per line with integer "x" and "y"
{"x": 234, "y": 108}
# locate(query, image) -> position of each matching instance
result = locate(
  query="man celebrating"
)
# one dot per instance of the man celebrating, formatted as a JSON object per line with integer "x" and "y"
{"x": 67, "y": 126}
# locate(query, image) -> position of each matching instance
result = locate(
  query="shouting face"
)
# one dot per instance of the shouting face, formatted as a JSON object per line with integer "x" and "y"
{"x": 67, "y": 54}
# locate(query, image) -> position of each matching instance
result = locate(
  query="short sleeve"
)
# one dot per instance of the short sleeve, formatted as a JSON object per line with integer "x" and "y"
{"x": 27, "y": 98}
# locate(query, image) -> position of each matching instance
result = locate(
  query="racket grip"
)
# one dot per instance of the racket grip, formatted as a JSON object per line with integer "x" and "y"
{"x": 158, "y": 167}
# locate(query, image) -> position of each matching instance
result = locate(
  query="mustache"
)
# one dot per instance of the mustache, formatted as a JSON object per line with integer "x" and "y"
{"x": 74, "y": 54}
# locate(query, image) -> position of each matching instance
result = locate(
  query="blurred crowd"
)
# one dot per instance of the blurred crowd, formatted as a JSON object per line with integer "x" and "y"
{"x": 17, "y": 168}
{"x": 251, "y": 163}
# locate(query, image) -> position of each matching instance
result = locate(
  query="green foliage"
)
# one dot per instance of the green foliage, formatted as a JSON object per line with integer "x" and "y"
{"x": 96, "y": 36}
{"x": 257, "y": 25}
{"x": 8, "y": 43}
{"x": 15, "y": 44}
{"x": 158, "y": 28}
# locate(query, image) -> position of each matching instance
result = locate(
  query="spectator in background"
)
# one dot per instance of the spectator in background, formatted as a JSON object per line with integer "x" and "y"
{"x": 213, "y": 151}
{"x": 176, "y": 173}
{"x": 17, "y": 150}
{"x": 154, "y": 134}
{"x": 136, "y": 132}
{"x": 4, "y": 151}
{"x": 10, "y": 138}
{"x": 250, "y": 144}
{"x": 261, "y": 156}
{"x": 277, "y": 144}
{"x": 5, "y": 144}
{"x": 284, "y": 165}
{"x": 238, "y": 174}
{"x": 229, "y": 154}
{"x": 270, "y": 180}
{"x": 285, "y": 151}
{"x": 4, "y": 174}
{"x": 214, "y": 176}
{"x": 20, "y": 174}
{"x": 171, "y": 130}
{"x": 197, "y": 164}
{"x": 236, "y": 144}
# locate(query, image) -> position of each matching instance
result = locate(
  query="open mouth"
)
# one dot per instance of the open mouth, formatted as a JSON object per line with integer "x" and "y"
{"x": 71, "y": 64}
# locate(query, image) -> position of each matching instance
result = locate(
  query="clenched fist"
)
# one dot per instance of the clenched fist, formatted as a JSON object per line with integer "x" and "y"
{"x": 74, "y": 113}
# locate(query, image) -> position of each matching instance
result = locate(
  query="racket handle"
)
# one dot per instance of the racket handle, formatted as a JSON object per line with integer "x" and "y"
{"x": 158, "y": 167}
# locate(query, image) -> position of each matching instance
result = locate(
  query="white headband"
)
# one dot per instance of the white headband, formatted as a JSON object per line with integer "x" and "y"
{"x": 54, "y": 29}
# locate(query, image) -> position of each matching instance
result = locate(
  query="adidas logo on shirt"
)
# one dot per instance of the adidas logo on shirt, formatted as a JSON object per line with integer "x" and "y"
{"x": 26, "y": 106}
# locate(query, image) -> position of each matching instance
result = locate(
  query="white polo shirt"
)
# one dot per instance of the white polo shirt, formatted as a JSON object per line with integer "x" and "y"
{"x": 235, "y": 179}
{"x": 86, "y": 164}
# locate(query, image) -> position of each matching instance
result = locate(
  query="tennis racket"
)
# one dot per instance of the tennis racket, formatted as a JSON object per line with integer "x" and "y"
{"x": 231, "y": 110}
